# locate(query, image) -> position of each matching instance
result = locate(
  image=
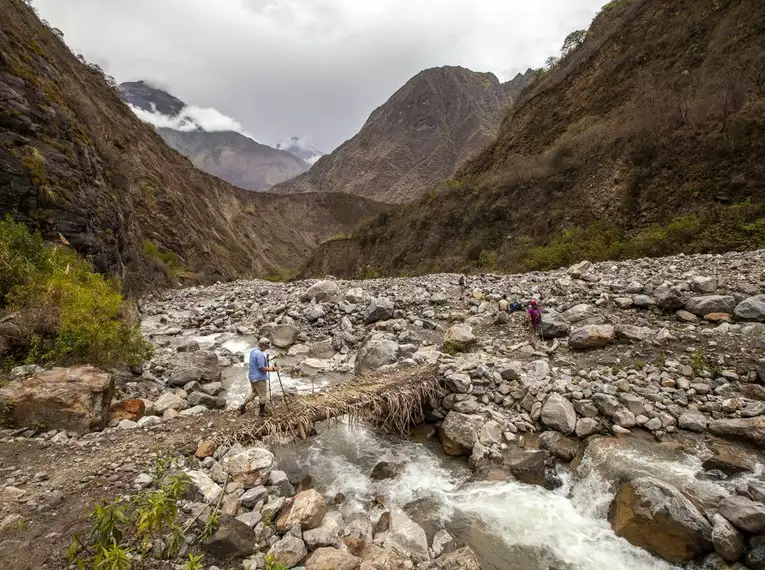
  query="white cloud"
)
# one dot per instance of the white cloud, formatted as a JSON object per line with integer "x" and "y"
{"x": 309, "y": 66}
{"x": 191, "y": 118}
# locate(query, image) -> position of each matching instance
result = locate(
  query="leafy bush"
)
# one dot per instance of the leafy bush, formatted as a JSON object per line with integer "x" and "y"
{"x": 58, "y": 310}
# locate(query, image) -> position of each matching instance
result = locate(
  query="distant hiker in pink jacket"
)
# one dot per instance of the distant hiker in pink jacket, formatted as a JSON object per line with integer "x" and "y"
{"x": 535, "y": 319}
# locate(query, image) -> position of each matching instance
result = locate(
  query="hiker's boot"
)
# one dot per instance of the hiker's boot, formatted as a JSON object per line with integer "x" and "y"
{"x": 263, "y": 411}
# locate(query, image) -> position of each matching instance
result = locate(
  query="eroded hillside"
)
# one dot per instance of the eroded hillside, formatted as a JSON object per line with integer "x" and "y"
{"x": 646, "y": 140}
{"x": 76, "y": 164}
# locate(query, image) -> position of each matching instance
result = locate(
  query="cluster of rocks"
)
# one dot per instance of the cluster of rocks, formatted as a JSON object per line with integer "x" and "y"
{"x": 263, "y": 514}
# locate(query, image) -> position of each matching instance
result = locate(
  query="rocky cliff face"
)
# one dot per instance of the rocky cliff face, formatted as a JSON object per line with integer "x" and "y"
{"x": 229, "y": 155}
{"x": 76, "y": 162}
{"x": 645, "y": 140}
{"x": 409, "y": 145}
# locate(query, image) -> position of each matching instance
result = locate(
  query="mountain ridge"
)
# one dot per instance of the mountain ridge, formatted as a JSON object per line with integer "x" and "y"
{"x": 646, "y": 140}
{"x": 418, "y": 137}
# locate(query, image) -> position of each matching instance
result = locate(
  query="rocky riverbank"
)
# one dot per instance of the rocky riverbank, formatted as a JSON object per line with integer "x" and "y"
{"x": 664, "y": 353}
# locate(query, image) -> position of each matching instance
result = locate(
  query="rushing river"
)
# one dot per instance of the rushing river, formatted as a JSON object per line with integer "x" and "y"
{"x": 509, "y": 525}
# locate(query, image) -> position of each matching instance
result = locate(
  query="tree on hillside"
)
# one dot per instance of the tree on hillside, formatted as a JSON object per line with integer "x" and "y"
{"x": 573, "y": 41}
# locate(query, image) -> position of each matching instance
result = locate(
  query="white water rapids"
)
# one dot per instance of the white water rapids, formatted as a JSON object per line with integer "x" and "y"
{"x": 509, "y": 525}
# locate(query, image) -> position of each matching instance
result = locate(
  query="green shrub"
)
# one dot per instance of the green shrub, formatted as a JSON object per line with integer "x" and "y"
{"x": 63, "y": 312}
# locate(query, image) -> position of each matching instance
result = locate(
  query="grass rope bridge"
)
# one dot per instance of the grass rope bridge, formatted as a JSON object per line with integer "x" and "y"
{"x": 395, "y": 400}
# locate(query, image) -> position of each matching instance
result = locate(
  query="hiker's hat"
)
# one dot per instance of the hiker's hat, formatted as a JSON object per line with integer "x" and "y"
{"x": 264, "y": 342}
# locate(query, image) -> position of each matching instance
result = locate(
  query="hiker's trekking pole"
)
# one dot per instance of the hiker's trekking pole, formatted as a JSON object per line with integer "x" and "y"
{"x": 284, "y": 396}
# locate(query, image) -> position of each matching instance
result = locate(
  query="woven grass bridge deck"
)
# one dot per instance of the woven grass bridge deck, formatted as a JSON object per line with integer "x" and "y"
{"x": 396, "y": 400}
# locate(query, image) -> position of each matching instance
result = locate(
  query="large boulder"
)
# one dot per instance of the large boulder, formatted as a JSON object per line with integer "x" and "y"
{"x": 559, "y": 414}
{"x": 307, "y": 509}
{"x": 704, "y": 284}
{"x": 710, "y": 304}
{"x": 73, "y": 399}
{"x": 332, "y": 559}
{"x": 591, "y": 336}
{"x": 578, "y": 313}
{"x": 751, "y": 309}
{"x": 231, "y": 539}
{"x": 406, "y": 536}
{"x": 199, "y": 366}
{"x": 460, "y": 432}
{"x": 376, "y": 352}
{"x": 380, "y": 309}
{"x": 744, "y": 513}
{"x": 657, "y": 517}
{"x": 728, "y": 542}
{"x": 321, "y": 291}
{"x": 168, "y": 401}
{"x": 459, "y": 338}
{"x": 289, "y": 551}
{"x": 747, "y": 429}
{"x": 554, "y": 325}
{"x": 249, "y": 467}
{"x": 202, "y": 399}
{"x": 283, "y": 336}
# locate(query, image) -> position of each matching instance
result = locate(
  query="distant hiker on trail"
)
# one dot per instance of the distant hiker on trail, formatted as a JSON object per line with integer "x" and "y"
{"x": 503, "y": 304}
{"x": 463, "y": 282}
{"x": 535, "y": 319}
{"x": 258, "y": 376}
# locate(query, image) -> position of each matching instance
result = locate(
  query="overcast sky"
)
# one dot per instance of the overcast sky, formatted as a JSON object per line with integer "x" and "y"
{"x": 309, "y": 68}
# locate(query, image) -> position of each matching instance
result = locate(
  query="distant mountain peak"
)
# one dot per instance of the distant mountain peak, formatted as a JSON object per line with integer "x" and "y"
{"x": 301, "y": 149}
{"x": 212, "y": 141}
{"x": 429, "y": 127}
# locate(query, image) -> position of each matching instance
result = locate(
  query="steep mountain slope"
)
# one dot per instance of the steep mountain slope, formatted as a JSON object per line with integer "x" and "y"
{"x": 226, "y": 154}
{"x": 647, "y": 139}
{"x": 235, "y": 158}
{"x": 435, "y": 122}
{"x": 75, "y": 162}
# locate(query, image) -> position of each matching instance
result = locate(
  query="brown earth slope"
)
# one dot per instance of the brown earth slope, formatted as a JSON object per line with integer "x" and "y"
{"x": 229, "y": 155}
{"x": 76, "y": 162}
{"x": 434, "y": 123}
{"x": 648, "y": 139}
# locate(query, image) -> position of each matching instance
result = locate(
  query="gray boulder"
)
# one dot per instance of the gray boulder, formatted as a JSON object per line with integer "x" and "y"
{"x": 460, "y": 432}
{"x": 380, "y": 309}
{"x": 554, "y": 325}
{"x": 458, "y": 383}
{"x": 693, "y": 420}
{"x": 559, "y": 414}
{"x": 321, "y": 291}
{"x": 748, "y": 429}
{"x": 702, "y": 284}
{"x": 202, "y": 399}
{"x": 657, "y": 517}
{"x": 591, "y": 336}
{"x": 283, "y": 336}
{"x": 232, "y": 539}
{"x": 289, "y": 551}
{"x": 376, "y": 352}
{"x": 728, "y": 542}
{"x": 744, "y": 513}
{"x": 711, "y": 304}
{"x": 199, "y": 366}
{"x": 751, "y": 309}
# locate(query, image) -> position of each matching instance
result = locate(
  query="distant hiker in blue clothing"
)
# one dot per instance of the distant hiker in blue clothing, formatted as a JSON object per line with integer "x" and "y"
{"x": 258, "y": 376}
